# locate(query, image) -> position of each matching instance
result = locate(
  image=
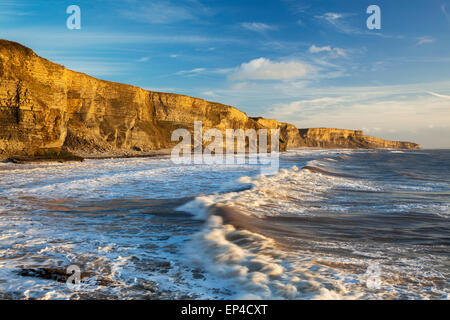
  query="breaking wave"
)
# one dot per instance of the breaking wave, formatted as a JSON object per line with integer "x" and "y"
{"x": 259, "y": 238}
{"x": 232, "y": 244}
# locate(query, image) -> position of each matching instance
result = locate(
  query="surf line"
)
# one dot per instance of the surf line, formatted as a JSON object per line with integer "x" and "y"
{"x": 193, "y": 310}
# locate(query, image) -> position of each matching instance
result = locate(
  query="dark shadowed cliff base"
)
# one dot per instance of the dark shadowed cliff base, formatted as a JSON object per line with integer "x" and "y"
{"x": 44, "y": 106}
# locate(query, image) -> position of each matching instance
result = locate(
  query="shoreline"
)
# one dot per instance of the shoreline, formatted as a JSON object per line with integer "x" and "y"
{"x": 81, "y": 156}
{"x": 124, "y": 155}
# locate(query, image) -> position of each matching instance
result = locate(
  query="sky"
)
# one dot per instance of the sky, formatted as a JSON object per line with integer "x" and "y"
{"x": 311, "y": 63}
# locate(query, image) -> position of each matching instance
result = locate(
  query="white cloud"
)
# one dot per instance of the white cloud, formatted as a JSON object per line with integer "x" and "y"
{"x": 265, "y": 69}
{"x": 191, "y": 72}
{"x": 331, "y": 16}
{"x": 257, "y": 26}
{"x": 424, "y": 40}
{"x": 336, "y": 52}
{"x": 314, "y": 49}
{"x": 143, "y": 59}
{"x": 337, "y": 20}
{"x": 210, "y": 94}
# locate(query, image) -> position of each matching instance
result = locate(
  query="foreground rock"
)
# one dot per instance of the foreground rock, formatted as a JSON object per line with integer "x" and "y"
{"x": 45, "y": 106}
{"x": 47, "y": 155}
{"x": 61, "y": 275}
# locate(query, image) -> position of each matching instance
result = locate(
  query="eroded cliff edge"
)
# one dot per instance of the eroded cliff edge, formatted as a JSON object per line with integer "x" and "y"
{"x": 44, "y": 105}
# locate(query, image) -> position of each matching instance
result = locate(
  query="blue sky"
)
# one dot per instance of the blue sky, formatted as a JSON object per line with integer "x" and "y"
{"x": 311, "y": 63}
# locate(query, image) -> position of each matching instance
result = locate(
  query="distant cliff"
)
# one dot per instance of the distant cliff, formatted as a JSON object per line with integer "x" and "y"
{"x": 43, "y": 106}
{"x": 353, "y": 139}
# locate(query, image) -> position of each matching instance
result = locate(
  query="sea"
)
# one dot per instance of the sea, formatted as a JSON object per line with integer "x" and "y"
{"x": 329, "y": 224}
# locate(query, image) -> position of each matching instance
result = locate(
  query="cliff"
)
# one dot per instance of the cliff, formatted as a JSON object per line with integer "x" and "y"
{"x": 62, "y": 108}
{"x": 46, "y": 106}
{"x": 352, "y": 139}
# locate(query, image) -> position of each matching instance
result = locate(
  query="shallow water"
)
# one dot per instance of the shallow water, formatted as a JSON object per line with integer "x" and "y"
{"x": 330, "y": 224}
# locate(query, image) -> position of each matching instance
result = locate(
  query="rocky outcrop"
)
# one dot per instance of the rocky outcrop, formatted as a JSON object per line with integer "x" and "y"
{"x": 43, "y": 105}
{"x": 353, "y": 139}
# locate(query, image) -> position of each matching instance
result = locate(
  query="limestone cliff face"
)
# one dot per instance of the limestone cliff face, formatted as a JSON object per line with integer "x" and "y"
{"x": 44, "y": 105}
{"x": 341, "y": 138}
{"x": 39, "y": 121}
{"x": 83, "y": 114}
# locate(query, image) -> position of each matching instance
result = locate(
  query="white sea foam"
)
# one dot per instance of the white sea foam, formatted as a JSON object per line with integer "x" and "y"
{"x": 213, "y": 260}
{"x": 249, "y": 260}
{"x": 291, "y": 191}
{"x": 255, "y": 268}
{"x": 112, "y": 179}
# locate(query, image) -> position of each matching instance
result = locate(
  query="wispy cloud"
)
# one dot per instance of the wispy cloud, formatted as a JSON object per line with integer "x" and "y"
{"x": 443, "y": 96}
{"x": 191, "y": 72}
{"x": 12, "y": 9}
{"x": 210, "y": 94}
{"x": 297, "y": 7}
{"x": 336, "y": 20}
{"x": 48, "y": 37}
{"x": 164, "y": 12}
{"x": 265, "y": 69}
{"x": 315, "y": 49}
{"x": 257, "y": 26}
{"x": 336, "y": 52}
{"x": 332, "y": 17}
{"x": 424, "y": 40}
{"x": 341, "y": 23}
